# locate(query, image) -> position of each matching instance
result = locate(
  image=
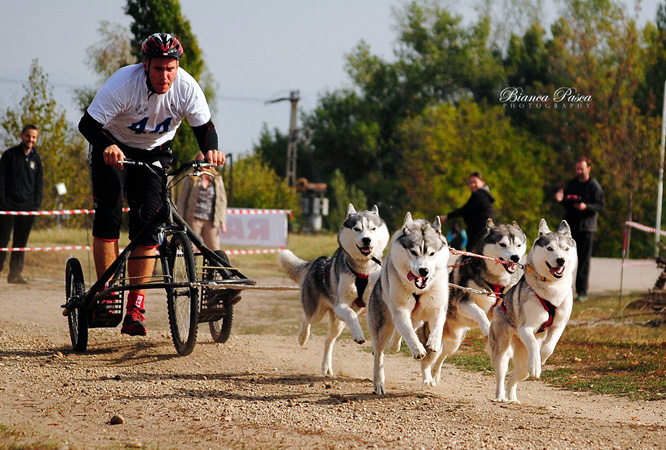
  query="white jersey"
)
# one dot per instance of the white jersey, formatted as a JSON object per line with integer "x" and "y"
{"x": 142, "y": 119}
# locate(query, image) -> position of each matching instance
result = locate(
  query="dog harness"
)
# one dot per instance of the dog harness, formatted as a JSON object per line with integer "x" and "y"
{"x": 549, "y": 307}
{"x": 361, "y": 282}
{"x": 417, "y": 297}
{"x": 498, "y": 290}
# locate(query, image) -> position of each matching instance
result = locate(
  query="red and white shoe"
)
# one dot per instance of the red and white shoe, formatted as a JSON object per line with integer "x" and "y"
{"x": 134, "y": 323}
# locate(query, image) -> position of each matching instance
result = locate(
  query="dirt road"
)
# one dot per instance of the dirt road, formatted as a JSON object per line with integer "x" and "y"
{"x": 261, "y": 390}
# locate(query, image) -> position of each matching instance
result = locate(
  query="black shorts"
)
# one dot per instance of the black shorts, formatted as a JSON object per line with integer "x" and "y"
{"x": 143, "y": 190}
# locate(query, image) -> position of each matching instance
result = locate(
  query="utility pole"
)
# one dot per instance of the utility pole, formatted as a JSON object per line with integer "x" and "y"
{"x": 660, "y": 186}
{"x": 293, "y": 136}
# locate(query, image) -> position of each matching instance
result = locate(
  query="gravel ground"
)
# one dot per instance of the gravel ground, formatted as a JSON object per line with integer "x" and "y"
{"x": 264, "y": 391}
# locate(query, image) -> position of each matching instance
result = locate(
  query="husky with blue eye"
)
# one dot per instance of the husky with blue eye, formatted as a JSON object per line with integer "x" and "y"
{"x": 335, "y": 286}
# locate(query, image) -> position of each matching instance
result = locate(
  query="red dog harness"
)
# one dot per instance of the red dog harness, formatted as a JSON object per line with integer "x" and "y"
{"x": 547, "y": 306}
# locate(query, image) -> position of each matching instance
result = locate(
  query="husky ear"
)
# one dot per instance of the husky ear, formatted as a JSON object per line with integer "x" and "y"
{"x": 564, "y": 228}
{"x": 437, "y": 225}
{"x": 408, "y": 220}
{"x": 375, "y": 209}
{"x": 350, "y": 210}
{"x": 489, "y": 223}
{"x": 543, "y": 228}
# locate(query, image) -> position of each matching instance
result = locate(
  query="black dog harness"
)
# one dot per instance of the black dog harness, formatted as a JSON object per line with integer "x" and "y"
{"x": 361, "y": 282}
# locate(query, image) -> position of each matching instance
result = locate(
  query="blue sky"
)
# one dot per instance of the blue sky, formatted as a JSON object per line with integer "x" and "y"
{"x": 257, "y": 50}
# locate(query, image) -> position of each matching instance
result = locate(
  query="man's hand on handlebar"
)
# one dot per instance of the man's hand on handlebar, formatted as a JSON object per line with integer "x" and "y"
{"x": 216, "y": 157}
{"x": 113, "y": 156}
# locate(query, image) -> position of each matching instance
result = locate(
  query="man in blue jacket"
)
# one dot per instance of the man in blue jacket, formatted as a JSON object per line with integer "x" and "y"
{"x": 21, "y": 189}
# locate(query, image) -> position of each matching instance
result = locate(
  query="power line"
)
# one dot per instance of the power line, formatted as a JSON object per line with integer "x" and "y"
{"x": 56, "y": 83}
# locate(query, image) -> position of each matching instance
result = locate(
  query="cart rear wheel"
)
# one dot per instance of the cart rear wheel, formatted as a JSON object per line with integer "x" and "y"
{"x": 220, "y": 330}
{"x": 78, "y": 319}
{"x": 182, "y": 301}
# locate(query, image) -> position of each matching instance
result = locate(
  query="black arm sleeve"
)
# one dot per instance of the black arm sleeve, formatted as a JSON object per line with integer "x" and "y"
{"x": 206, "y": 136}
{"x": 94, "y": 133}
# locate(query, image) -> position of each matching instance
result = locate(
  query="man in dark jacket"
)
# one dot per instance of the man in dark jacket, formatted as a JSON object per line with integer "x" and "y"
{"x": 21, "y": 189}
{"x": 583, "y": 200}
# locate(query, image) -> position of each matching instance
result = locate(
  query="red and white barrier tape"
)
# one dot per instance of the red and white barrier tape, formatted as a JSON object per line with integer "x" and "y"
{"x": 642, "y": 227}
{"x": 258, "y": 211}
{"x": 261, "y": 251}
{"x": 634, "y": 263}
{"x": 45, "y": 249}
{"x": 64, "y": 212}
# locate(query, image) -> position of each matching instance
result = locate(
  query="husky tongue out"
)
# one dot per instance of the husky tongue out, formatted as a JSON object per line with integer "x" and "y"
{"x": 510, "y": 267}
{"x": 419, "y": 282}
{"x": 365, "y": 250}
{"x": 556, "y": 271}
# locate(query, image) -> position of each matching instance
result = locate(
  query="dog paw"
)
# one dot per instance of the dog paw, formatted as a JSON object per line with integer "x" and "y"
{"x": 499, "y": 400}
{"x": 431, "y": 382}
{"x": 327, "y": 371}
{"x": 357, "y": 335}
{"x": 535, "y": 370}
{"x": 379, "y": 389}
{"x": 434, "y": 345}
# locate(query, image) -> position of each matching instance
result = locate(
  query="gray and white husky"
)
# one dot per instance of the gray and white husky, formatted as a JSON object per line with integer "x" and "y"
{"x": 532, "y": 317}
{"x": 335, "y": 285}
{"x": 412, "y": 289}
{"x": 467, "y": 310}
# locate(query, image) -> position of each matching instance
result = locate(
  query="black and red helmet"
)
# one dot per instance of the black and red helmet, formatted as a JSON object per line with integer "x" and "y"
{"x": 161, "y": 44}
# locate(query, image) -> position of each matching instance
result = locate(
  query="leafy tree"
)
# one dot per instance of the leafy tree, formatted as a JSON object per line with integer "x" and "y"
{"x": 109, "y": 54}
{"x": 341, "y": 195}
{"x": 152, "y": 16}
{"x": 650, "y": 93}
{"x": 445, "y": 143}
{"x": 273, "y": 151}
{"x": 62, "y": 150}
{"x": 257, "y": 186}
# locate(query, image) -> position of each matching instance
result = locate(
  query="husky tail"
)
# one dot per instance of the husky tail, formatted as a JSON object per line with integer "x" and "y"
{"x": 295, "y": 267}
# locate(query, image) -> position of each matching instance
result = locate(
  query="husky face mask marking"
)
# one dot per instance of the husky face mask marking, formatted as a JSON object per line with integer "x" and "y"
{"x": 506, "y": 243}
{"x": 412, "y": 289}
{"x": 554, "y": 252}
{"x": 362, "y": 233}
{"x": 421, "y": 244}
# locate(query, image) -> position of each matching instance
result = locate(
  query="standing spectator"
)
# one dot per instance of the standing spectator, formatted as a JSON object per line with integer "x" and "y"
{"x": 583, "y": 200}
{"x": 21, "y": 189}
{"x": 135, "y": 115}
{"x": 202, "y": 202}
{"x": 477, "y": 210}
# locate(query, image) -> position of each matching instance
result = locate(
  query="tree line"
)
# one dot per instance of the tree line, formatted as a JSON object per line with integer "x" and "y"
{"x": 511, "y": 99}
{"x": 455, "y": 99}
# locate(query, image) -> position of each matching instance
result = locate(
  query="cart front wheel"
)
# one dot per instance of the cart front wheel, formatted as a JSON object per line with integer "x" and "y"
{"x": 182, "y": 301}
{"x": 78, "y": 319}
